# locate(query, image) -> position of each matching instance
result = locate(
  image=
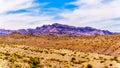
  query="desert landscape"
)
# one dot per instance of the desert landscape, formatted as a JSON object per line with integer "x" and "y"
{"x": 33, "y": 51}
{"x": 59, "y": 46}
{"x": 21, "y": 56}
{"x": 59, "y": 33}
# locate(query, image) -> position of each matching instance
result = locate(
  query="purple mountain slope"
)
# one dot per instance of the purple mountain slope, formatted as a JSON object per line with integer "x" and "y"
{"x": 5, "y": 32}
{"x": 60, "y": 29}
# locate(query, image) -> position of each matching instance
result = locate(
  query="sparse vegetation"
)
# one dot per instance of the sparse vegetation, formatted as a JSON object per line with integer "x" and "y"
{"x": 30, "y": 51}
{"x": 16, "y": 56}
{"x": 108, "y": 44}
{"x": 89, "y": 66}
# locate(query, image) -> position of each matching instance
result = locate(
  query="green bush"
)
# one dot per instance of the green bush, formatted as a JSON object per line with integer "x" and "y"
{"x": 34, "y": 62}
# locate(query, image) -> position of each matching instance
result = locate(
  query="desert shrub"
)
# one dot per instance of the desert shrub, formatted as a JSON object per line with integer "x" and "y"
{"x": 7, "y": 53}
{"x": 106, "y": 67}
{"x": 102, "y": 61}
{"x": 45, "y": 51}
{"x": 34, "y": 62}
{"x": 63, "y": 54}
{"x": 16, "y": 66}
{"x": 115, "y": 58}
{"x": 89, "y": 66}
{"x": 73, "y": 59}
{"x": 12, "y": 58}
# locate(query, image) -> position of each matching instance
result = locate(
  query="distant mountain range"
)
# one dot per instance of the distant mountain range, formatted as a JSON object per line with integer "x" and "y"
{"x": 59, "y": 29}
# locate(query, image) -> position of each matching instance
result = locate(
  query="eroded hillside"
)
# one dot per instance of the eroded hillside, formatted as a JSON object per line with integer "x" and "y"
{"x": 109, "y": 44}
{"x": 21, "y": 56}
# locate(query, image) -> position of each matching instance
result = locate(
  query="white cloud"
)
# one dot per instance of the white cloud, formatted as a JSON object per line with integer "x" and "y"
{"x": 21, "y": 20}
{"x": 87, "y": 2}
{"x": 92, "y": 13}
{"x": 11, "y": 5}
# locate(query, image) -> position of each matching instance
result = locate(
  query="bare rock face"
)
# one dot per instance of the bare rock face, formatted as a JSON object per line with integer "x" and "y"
{"x": 5, "y": 32}
{"x": 60, "y": 29}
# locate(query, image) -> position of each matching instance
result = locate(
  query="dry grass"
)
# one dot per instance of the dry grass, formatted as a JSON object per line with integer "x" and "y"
{"x": 109, "y": 45}
{"x": 20, "y": 56}
{"x": 30, "y": 51}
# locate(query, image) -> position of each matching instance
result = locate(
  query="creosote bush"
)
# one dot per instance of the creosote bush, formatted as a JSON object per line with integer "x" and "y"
{"x": 17, "y": 56}
{"x": 89, "y": 66}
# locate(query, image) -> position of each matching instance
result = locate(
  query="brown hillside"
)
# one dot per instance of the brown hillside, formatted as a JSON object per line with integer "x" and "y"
{"x": 109, "y": 44}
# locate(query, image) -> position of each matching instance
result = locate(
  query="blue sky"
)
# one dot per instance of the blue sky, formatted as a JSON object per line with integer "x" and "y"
{"x": 101, "y": 14}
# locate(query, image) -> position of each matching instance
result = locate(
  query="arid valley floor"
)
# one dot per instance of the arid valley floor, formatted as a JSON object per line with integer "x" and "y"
{"x": 30, "y": 51}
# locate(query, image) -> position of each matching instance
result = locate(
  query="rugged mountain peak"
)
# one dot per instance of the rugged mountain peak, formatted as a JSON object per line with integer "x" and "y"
{"x": 61, "y": 29}
{"x": 57, "y": 24}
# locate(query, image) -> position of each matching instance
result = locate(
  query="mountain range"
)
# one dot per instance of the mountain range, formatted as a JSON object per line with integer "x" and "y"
{"x": 59, "y": 29}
